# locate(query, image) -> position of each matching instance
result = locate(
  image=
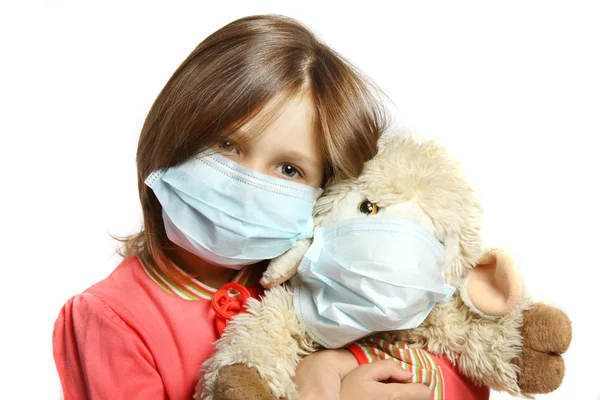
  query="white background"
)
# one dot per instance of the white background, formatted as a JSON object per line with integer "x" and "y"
{"x": 512, "y": 88}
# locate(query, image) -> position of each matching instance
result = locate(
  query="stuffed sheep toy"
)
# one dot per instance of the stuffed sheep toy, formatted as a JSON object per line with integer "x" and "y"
{"x": 397, "y": 254}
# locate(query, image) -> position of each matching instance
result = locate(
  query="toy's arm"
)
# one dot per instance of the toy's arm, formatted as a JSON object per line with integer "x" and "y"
{"x": 282, "y": 268}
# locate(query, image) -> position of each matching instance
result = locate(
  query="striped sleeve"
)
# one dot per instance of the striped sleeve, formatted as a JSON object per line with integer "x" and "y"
{"x": 418, "y": 361}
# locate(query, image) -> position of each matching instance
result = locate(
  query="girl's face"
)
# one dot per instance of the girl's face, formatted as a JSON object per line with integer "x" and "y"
{"x": 286, "y": 148}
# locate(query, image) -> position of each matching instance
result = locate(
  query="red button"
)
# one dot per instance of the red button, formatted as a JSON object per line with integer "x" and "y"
{"x": 227, "y": 306}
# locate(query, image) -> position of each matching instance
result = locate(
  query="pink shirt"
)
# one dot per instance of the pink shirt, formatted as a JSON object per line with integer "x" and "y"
{"x": 136, "y": 334}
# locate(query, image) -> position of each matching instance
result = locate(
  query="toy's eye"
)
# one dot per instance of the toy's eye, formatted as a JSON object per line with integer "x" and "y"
{"x": 368, "y": 208}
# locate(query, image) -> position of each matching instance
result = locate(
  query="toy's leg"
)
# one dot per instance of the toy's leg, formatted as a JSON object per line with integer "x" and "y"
{"x": 259, "y": 349}
{"x": 540, "y": 372}
{"x": 241, "y": 382}
{"x": 546, "y": 335}
{"x": 546, "y": 329}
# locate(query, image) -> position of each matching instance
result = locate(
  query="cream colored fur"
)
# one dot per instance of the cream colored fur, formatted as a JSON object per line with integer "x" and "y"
{"x": 409, "y": 179}
{"x": 268, "y": 337}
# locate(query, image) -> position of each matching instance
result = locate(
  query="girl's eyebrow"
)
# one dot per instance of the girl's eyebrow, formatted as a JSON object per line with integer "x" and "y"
{"x": 297, "y": 157}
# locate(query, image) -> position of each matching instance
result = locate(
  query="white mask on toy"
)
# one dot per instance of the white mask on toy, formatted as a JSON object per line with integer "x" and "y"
{"x": 364, "y": 275}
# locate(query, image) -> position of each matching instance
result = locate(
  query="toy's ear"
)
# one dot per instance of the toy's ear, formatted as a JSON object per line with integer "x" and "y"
{"x": 494, "y": 286}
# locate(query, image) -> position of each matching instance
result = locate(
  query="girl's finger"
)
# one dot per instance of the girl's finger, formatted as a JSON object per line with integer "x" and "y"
{"x": 386, "y": 369}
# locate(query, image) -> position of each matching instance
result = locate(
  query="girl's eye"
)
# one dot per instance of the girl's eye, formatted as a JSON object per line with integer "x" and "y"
{"x": 228, "y": 146}
{"x": 368, "y": 208}
{"x": 289, "y": 171}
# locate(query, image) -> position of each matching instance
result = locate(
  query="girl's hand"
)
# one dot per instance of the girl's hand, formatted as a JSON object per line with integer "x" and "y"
{"x": 319, "y": 375}
{"x": 365, "y": 382}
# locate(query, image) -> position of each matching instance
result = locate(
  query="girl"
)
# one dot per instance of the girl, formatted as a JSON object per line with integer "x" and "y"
{"x": 230, "y": 160}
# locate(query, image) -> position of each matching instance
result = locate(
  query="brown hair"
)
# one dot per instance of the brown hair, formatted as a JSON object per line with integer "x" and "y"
{"x": 227, "y": 80}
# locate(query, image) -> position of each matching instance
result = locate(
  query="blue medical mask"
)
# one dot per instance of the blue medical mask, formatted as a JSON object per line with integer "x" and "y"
{"x": 230, "y": 215}
{"x": 368, "y": 275}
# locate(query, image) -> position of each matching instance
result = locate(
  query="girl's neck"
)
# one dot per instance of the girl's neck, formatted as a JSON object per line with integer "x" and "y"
{"x": 212, "y": 275}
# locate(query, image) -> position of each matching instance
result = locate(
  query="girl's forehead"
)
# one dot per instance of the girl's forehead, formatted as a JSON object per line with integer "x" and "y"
{"x": 288, "y": 121}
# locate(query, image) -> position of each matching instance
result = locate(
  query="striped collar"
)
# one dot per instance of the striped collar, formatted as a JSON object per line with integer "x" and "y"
{"x": 186, "y": 287}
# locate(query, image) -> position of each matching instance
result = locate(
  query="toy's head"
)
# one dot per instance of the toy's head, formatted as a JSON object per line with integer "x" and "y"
{"x": 417, "y": 180}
